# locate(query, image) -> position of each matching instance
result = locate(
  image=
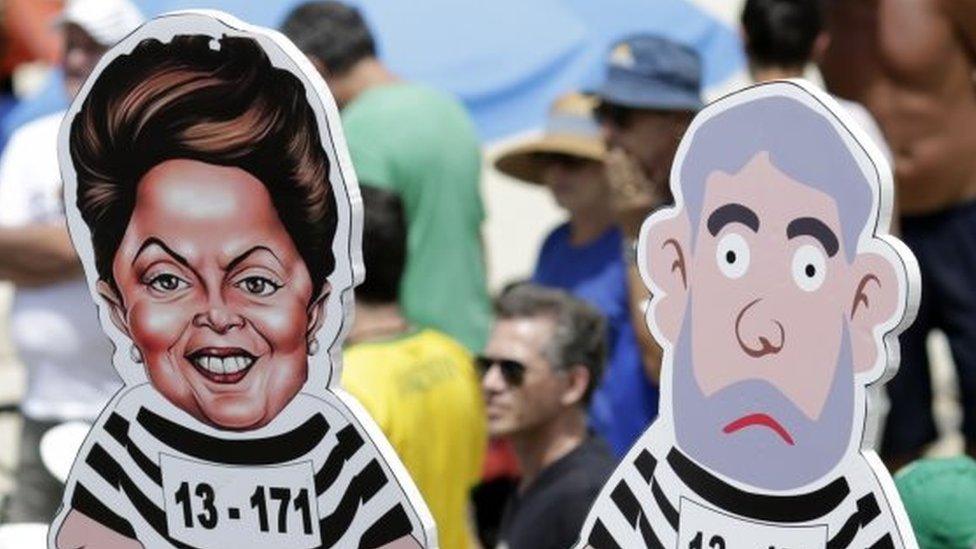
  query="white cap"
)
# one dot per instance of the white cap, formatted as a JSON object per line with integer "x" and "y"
{"x": 107, "y": 21}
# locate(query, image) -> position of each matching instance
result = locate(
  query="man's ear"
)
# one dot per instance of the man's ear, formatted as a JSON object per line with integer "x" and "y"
{"x": 579, "y": 380}
{"x": 116, "y": 309}
{"x": 665, "y": 271}
{"x": 820, "y": 45}
{"x": 316, "y": 312}
{"x": 874, "y": 301}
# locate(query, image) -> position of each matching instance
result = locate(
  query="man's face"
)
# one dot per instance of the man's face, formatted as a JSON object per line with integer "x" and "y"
{"x": 81, "y": 54}
{"x": 578, "y": 185}
{"x": 770, "y": 330}
{"x": 515, "y": 409}
{"x": 648, "y": 136}
{"x": 767, "y": 307}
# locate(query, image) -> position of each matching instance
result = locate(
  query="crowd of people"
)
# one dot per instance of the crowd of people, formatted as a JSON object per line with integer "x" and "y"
{"x": 510, "y": 413}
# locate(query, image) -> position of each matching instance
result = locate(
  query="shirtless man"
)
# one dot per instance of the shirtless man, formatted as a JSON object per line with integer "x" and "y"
{"x": 910, "y": 62}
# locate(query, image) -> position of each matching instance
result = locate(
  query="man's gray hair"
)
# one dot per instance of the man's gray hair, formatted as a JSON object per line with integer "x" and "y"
{"x": 801, "y": 141}
{"x": 579, "y": 337}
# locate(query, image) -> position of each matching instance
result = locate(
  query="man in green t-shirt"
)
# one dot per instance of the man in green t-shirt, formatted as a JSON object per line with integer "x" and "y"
{"x": 419, "y": 143}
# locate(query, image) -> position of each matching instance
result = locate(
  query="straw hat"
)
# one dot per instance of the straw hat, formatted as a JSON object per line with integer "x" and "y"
{"x": 570, "y": 130}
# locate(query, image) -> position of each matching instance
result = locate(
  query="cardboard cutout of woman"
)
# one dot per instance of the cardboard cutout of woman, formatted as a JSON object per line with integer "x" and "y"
{"x": 211, "y": 200}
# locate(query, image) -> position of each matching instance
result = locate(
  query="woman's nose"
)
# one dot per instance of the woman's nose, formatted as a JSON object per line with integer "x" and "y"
{"x": 219, "y": 317}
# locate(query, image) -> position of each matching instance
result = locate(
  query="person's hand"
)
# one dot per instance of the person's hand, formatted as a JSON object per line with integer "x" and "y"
{"x": 632, "y": 194}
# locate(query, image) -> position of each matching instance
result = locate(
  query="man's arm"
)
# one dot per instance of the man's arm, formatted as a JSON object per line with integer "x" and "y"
{"x": 633, "y": 198}
{"x": 639, "y": 297}
{"x": 36, "y": 255}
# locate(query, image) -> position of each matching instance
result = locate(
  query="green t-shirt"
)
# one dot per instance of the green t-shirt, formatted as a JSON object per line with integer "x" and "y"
{"x": 420, "y": 143}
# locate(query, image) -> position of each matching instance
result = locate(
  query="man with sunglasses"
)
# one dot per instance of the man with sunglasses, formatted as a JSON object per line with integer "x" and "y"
{"x": 545, "y": 352}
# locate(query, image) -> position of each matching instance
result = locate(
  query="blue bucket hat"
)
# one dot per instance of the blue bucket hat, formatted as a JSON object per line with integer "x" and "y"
{"x": 650, "y": 72}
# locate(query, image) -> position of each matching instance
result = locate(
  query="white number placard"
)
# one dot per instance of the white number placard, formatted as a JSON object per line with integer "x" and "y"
{"x": 704, "y": 528}
{"x": 207, "y": 503}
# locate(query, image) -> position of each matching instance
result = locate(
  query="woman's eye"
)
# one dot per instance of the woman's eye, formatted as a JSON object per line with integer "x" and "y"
{"x": 809, "y": 267}
{"x": 732, "y": 255}
{"x": 167, "y": 283}
{"x": 259, "y": 286}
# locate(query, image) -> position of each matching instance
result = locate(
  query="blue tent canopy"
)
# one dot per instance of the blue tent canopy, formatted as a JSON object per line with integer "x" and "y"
{"x": 505, "y": 59}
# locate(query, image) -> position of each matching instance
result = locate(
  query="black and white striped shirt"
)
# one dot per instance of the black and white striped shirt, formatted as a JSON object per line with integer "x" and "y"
{"x": 311, "y": 478}
{"x": 658, "y": 497}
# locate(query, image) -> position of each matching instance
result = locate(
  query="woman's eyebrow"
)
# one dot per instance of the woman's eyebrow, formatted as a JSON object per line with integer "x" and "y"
{"x": 237, "y": 260}
{"x": 154, "y": 241}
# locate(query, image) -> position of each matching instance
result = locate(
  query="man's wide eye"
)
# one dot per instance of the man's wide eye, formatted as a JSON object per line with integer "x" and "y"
{"x": 732, "y": 255}
{"x": 809, "y": 267}
{"x": 167, "y": 283}
{"x": 258, "y": 285}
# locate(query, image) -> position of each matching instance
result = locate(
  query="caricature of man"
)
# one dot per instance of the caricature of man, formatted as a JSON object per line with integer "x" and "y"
{"x": 777, "y": 297}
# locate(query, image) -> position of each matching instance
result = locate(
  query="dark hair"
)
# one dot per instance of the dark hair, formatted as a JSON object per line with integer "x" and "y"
{"x": 781, "y": 33}
{"x": 579, "y": 337}
{"x": 332, "y": 32}
{"x": 215, "y": 101}
{"x": 384, "y": 246}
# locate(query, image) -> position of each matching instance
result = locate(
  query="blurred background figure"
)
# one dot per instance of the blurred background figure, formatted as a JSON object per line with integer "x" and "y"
{"x": 940, "y": 497}
{"x": 418, "y": 384}
{"x": 544, "y": 355}
{"x": 53, "y": 322}
{"x": 584, "y": 256}
{"x": 26, "y": 36}
{"x": 782, "y": 38}
{"x": 650, "y": 91}
{"x": 911, "y": 64}
{"x": 435, "y": 168}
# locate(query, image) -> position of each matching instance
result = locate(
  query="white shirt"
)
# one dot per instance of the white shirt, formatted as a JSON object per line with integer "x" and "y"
{"x": 54, "y": 329}
{"x": 862, "y": 117}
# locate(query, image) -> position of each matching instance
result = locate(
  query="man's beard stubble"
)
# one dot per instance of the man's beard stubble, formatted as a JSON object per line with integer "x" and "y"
{"x": 759, "y": 457}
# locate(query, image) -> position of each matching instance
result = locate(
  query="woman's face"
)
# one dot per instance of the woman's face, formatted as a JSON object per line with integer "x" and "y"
{"x": 214, "y": 294}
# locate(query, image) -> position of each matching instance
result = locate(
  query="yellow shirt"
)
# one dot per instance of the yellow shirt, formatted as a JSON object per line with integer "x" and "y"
{"x": 423, "y": 392}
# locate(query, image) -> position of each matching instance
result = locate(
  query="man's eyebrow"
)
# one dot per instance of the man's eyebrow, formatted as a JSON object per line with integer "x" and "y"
{"x": 732, "y": 213}
{"x": 237, "y": 260}
{"x": 152, "y": 240}
{"x": 811, "y": 226}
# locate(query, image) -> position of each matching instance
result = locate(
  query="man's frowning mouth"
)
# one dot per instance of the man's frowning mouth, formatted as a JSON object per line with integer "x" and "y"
{"x": 762, "y": 420}
{"x": 222, "y": 364}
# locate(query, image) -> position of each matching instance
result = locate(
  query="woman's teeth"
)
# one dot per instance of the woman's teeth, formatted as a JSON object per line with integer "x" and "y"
{"x": 223, "y": 365}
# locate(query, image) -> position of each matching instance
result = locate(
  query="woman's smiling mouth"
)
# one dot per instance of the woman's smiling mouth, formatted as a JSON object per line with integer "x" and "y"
{"x": 222, "y": 364}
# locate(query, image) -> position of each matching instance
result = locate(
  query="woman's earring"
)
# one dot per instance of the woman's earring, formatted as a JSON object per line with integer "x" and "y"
{"x": 135, "y": 354}
{"x": 313, "y": 347}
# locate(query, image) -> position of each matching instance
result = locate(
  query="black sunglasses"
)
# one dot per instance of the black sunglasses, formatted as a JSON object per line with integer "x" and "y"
{"x": 608, "y": 113}
{"x": 512, "y": 370}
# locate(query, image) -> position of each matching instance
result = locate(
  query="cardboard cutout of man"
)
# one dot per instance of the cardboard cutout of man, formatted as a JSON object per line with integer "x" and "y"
{"x": 777, "y": 297}
{"x": 211, "y": 199}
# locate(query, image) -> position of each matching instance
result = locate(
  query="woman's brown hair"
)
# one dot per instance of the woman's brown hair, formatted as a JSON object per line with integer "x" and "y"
{"x": 214, "y": 101}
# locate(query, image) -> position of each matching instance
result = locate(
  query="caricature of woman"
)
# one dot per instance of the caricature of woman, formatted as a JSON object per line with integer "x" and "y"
{"x": 204, "y": 184}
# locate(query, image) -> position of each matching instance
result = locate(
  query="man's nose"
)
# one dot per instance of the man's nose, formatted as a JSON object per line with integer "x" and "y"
{"x": 218, "y": 316}
{"x": 493, "y": 382}
{"x": 758, "y": 333}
